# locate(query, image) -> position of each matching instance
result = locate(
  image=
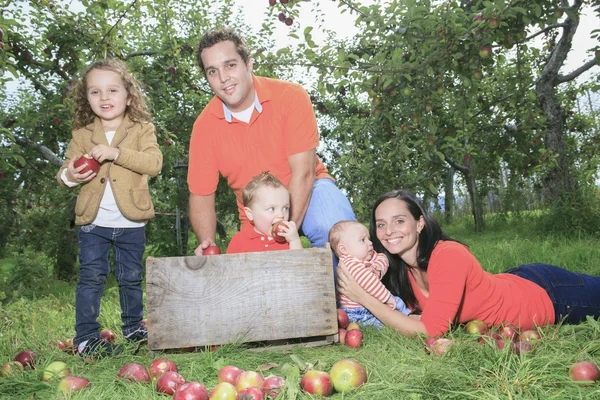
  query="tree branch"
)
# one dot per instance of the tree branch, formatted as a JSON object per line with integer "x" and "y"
{"x": 576, "y": 73}
{"x": 46, "y": 152}
{"x": 118, "y": 21}
{"x": 546, "y": 29}
{"x": 141, "y": 53}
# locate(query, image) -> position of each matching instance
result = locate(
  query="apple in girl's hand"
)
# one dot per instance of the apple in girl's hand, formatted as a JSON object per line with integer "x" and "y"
{"x": 90, "y": 164}
{"x": 354, "y": 338}
{"x": 191, "y": 391}
{"x": 346, "y": 375}
{"x": 108, "y": 336}
{"x": 250, "y": 393}
{"x": 342, "y": 334}
{"x": 55, "y": 371}
{"x": 343, "y": 319}
{"x": 317, "y": 382}
{"x": 72, "y": 384}
{"x": 273, "y": 385}
{"x": 169, "y": 382}
{"x": 27, "y": 358}
{"x": 584, "y": 371}
{"x": 211, "y": 250}
{"x": 134, "y": 373}
{"x": 530, "y": 336}
{"x": 223, "y": 391}
{"x": 353, "y": 325}
{"x": 229, "y": 374}
{"x": 249, "y": 379}
{"x": 159, "y": 367}
{"x": 11, "y": 368}
{"x": 277, "y": 230}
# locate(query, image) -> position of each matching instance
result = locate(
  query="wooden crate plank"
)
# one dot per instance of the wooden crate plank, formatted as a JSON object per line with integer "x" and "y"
{"x": 206, "y": 300}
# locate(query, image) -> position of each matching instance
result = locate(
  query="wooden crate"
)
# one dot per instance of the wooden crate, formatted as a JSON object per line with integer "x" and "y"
{"x": 266, "y": 296}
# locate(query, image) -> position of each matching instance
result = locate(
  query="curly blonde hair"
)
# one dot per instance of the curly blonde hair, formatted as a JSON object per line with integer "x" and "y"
{"x": 264, "y": 179}
{"x": 82, "y": 111}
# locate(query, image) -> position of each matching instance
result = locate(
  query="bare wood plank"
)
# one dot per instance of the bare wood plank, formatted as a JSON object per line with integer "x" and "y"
{"x": 207, "y": 300}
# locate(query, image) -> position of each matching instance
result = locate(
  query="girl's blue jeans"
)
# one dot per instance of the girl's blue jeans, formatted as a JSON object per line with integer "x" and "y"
{"x": 574, "y": 295}
{"x": 128, "y": 246}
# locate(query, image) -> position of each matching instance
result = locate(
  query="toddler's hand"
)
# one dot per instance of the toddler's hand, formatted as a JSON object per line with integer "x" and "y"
{"x": 289, "y": 231}
{"x": 103, "y": 152}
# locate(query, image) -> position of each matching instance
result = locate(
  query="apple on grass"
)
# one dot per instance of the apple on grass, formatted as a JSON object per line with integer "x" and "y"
{"x": 346, "y": 375}
{"x": 476, "y": 327}
{"x": 273, "y": 385}
{"x": 191, "y": 391}
{"x": 438, "y": 345}
{"x": 134, "y": 373}
{"x": 342, "y": 335}
{"x": 250, "y": 393}
{"x": 11, "y": 368}
{"x": 223, "y": 391}
{"x": 343, "y": 319}
{"x": 493, "y": 337}
{"x": 248, "y": 379}
{"x": 353, "y": 338}
{"x": 169, "y": 382}
{"x": 229, "y": 374}
{"x": 55, "y": 371}
{"x": 353, "y": 326}
{"x": 584, "y": 371}
{"x": 108, "y": 336}
{"x": 27, "y": 358}
{"x": 509, "y": 331}
{"x": 317, "y": 382}
{"x": 159, "y": 367}
{"x": 530, "y": 336}
{"x": 71, "y": 384}
{"x": 521, "y": 347}
{"x": 90, "y": 164}
{"x": 277, "y": 230}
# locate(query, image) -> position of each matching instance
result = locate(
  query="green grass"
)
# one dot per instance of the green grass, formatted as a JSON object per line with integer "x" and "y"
{"x": 398, "y": 367}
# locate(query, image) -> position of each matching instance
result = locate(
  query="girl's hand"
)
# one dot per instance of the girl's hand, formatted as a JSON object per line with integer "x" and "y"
{"x": 103, "y": 152}
{"x": 346, "y": 285}
{"x": 73, "y": 174}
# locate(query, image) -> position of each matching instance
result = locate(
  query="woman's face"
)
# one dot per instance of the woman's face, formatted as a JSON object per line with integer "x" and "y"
{"x": 397, "y": 229}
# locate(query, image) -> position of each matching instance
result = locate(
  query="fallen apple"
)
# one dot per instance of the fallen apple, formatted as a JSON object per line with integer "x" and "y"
{"x": 211, "y": 250}
{"x": 55, "y": 371}
{"x": 159, "y": 367}
{"x": 90, "y": 164}
{"x": 134, "y": 373}
{"x": 521, "y": 347}
{"x": 353, "y": 338}
{"x": 169, "y": 382}
{"x": 530, "y": 336}
{"x": 493, "y": 337}
{"x": 223, "y": 391}
{"x": 70, "y": 384}
{"x": 191, "y": 391}
{"x": 353, "y": 325}
{"x": 317, "y": 382}
{"x": 509, "y": 331}
{"x": 343, "y": 319}
{"x": 277, "y": 230}
{"x": 69, "y": 347}
{"x": 108, "y": 336}
{"x": 27, "y": 358}
{"x": 248, "y": 379}
{"x": 476, "y": 327}
{"x": 273, "y": 385}
{"x": 229, "y": 374}
{"x": 584, "y": 371}
{"x": 342, "y": 335}
{"x": 346, "y": 375}
{"x": 12, "y": 368}
{"x": 250, "y": 393}
{"x": 438, "y": 346}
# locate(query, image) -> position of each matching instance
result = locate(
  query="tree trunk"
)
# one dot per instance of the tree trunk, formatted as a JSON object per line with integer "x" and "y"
{"x": 449, "y": 195}
{"x": 475, "y": 203}
{"x": 66, "y": 255}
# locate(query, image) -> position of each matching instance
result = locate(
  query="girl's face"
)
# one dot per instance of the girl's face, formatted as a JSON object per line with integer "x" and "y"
{"x": 397, "y": 229}
{"x": 269, "y": 206}
{"x": 107, "y": 96}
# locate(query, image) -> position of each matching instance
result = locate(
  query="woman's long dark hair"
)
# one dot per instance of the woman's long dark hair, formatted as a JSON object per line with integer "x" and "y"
{"x": 396, "y": 279}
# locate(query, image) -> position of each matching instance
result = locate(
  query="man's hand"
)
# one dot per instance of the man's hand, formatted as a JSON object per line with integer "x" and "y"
{"x": 204, "y": 245}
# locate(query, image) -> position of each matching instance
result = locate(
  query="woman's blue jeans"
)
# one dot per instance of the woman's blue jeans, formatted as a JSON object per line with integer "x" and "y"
{"x": 128, "y": 246}
{"x": 573, "y": 295}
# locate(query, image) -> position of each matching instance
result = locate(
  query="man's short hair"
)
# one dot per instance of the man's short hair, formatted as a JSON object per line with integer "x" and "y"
{"x": 264, "y": 179}
{"x": 211, "y": 38}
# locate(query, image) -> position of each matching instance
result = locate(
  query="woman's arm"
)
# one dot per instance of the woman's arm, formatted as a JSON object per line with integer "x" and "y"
{"x": 406, "y": 325}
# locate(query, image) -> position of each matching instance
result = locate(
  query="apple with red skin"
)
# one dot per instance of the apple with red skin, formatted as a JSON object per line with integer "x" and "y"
{"x": 248, "y": 379}
{"x": 404, "y": 127}
{"x": 277, "y": 230}
{"x": 134, "y": 373}
{"x": 478, "y": 17}
{"x": 509, "y": 331}
{"x": 272, "y": 2}
{"x": 521, "y": 347}
{"x": 494, "y": 337}
{"x": 90, "y": 164}
{"x": 485, "y": 51}
{"x": 55, "y": 371}
{"x": 281, "y": 17}
{"x": 250, "y": 393}
{"x": 108, "y": 336}
{"x": 223, "y": 391}
{"x": 229, "y": 374}
{"x": 346, "y": 375}
{"x": 438, "y": 345}
{"x": 289, "y": 21}
{"x": 342, "y": 335}
{"x": 159, "y": 367}
{"x": 476, "y": 327}
{"x": 71, "y": 384}
{"x": 27, "y": 358}
{"x": 343, "y": 319}
{"x": 317, "y": 382}
{"x": 559, "y": 13}
{"x": 191, "y": 391}
{"x": 167, "y": 143}
{"x": 530, "y": 336}
{"x": 11, "y": 368}
{"x": 468, "y": 158}
{"x": 211, "y": 250}
{"x": 477, "y": 74}
{"x": 273, "y": 385}
{"x": 169, "y": 382}
{"x": 354, "y": 338}
{"x": 493, "y": 22}
{"x": 584, "y": 371}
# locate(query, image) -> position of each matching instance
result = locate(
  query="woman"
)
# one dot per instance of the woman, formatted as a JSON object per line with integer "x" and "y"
{"x": 439, "y": 278}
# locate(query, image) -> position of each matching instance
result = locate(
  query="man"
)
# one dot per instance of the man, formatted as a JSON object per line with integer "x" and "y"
{"x": 256, "y": 124}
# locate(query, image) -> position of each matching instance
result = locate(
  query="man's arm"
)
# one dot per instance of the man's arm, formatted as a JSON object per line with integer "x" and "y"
{"x": 303, "y": 167}
{"x": 204, "y": 220}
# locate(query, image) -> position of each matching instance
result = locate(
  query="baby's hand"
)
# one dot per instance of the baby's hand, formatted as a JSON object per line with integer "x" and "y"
{"x": 103, "y": 152}
{"x": 392, "y": 302}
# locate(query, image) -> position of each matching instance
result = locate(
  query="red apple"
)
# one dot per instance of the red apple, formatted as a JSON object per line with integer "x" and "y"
{"x": 223, "y": 391}
{"x": 346, "y": 375}
{"x": 485, "y": 51}
{"x": 191, "y": 391}
{"x": 530, "y": 336}
{"x": 476, "y": 327}
{"x": 55, "y": 371}
{"x": 342, "y": 334}
{"x": 272, "y": 2}
{"x": 317, "y": 382}
{"x": 353, "y": 326}
{"x": 584, "y": 371}
{"x": 477, "y": 74}
{"x": 521, "y": 347}
{"x": 27, "y": 358}
{"x": 493, "y": 337}
{"x": 354, "y": 338}
{"x": 273, "y": 385}
{"x": 90, "y": 164}
{"x": 169, "y": 382}
{"x": 250, "y": 393}
{"x": 343, "y": 320}
{"x": 493, "y": 22}
{"x": 509, "y": 331}
{"x": 229, "y": 374}
{"x": 108, "y": 336}
{"x": 211, "y": 250}
{"x": 71, "y": 384}
{"x": 11, "y": 368}
{"x": 69, "y": 347}
{"x": 248, "y": 379}
{"x": 159, "y": 367}
{"x": 277, "y": 230}
{"x": 438, "y": 346}
{"x": 478, "y": 17}
{"x": 134, "y": 373}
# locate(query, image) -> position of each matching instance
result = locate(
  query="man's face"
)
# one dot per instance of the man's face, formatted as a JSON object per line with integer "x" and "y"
{"x": 228, "y": 75}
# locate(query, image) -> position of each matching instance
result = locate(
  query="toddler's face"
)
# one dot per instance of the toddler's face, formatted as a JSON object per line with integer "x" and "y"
{"x": 269, "y": 206}
{"x": 355, "y": 240}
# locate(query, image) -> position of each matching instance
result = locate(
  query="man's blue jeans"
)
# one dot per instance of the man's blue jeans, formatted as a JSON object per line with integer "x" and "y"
{"x": 128, "y": 246}
{"x": 573, "y": 295}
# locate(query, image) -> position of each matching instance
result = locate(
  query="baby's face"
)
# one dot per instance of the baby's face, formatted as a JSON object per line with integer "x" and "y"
{"x": 355, "y": 240}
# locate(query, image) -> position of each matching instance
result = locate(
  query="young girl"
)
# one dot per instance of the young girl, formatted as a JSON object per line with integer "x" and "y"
{"x": 111, "y": 124}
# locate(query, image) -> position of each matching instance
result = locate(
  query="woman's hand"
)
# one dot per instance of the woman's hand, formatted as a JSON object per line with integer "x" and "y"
{"x": 346, "y": 285}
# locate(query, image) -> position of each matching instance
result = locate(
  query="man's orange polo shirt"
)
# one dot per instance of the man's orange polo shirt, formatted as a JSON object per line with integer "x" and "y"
{"x": 240, "y": 151}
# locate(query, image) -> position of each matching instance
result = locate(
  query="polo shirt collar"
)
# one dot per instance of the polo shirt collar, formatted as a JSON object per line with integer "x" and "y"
{"x": 228, "y": 114}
